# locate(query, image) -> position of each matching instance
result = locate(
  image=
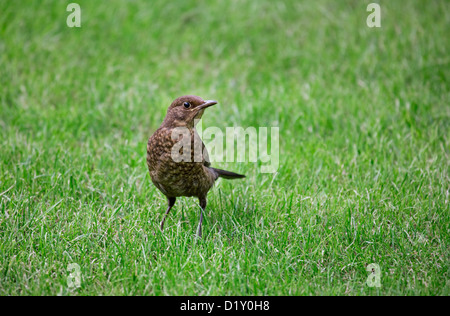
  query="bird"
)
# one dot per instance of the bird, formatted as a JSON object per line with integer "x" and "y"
{"x": 173, "y": 169}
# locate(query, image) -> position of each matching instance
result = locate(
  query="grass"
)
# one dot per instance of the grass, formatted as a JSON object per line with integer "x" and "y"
{"x": 364, "y": 121}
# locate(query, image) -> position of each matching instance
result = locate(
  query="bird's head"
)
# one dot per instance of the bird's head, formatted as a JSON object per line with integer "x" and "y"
{"x": 185, "y": 110}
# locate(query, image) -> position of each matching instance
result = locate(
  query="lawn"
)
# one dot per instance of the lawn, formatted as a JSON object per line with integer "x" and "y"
{"x": 364, "y": 121}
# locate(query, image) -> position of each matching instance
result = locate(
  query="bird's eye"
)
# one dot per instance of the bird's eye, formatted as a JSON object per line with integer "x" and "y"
{"x": 187, "y": 105}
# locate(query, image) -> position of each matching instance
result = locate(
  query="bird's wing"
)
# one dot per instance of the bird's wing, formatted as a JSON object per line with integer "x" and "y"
{"x": 206, "y": 161}
{"x": 197, "y": 143}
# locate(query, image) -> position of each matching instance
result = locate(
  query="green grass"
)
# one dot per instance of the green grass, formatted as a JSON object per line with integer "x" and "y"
{"x": 364, "y": 122}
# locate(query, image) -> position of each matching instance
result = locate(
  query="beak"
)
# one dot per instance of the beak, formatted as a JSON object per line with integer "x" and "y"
{"x": 205, "y": 105}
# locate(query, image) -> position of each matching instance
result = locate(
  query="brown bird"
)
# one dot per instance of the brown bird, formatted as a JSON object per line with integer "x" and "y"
{"x": 173, "y": 169}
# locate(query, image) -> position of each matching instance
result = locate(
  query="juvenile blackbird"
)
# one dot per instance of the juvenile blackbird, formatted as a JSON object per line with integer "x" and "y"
{"x": 188, "y": 177}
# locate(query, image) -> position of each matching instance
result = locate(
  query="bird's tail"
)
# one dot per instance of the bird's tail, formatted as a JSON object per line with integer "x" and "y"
{"x": 228, "y": 174}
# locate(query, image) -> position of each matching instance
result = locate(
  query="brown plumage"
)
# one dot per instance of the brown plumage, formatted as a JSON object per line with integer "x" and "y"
{"x": 172, "y": 175}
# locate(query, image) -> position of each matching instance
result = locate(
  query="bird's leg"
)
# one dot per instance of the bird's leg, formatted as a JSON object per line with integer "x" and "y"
{"x": 203, "y": 206}
{"x": 171, "y": 202}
